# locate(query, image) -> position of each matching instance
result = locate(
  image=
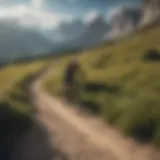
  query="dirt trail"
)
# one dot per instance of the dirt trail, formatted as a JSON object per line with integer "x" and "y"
{"x": 84, "y": 137}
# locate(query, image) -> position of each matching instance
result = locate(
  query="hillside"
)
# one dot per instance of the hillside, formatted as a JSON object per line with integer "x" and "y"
{"x": 128, "y": 73}
{"x": 15, "y": 108}
{"x": 21, "y": 134}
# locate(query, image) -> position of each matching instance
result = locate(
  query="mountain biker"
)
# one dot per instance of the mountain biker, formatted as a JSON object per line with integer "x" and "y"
{"x": 70, "y": 80}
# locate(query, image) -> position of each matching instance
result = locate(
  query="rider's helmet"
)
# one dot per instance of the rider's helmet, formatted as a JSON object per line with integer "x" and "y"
{"x": 74, "y": 62}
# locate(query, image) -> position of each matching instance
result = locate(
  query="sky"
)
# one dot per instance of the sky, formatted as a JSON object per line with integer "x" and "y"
{"x": 46, "y": 14}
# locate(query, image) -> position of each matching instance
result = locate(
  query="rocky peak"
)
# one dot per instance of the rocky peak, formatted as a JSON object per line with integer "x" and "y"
{"x": 150, "y": 10}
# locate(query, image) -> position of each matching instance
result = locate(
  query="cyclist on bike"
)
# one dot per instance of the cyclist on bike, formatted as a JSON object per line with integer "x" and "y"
{"x": 70, "y": 80}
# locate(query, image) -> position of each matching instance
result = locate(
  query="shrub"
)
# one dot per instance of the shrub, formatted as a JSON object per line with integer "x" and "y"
{"x": 12, "y": 125}
{"x": 152, "y": 55}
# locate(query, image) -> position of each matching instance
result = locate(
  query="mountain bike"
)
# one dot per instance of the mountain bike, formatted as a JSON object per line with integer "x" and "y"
{"x": 72, "y": 92}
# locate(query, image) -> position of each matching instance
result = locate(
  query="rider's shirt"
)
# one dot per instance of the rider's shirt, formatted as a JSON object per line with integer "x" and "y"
{"x": 70, "y": 73}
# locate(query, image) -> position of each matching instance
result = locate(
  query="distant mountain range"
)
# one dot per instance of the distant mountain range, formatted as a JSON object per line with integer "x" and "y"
{"x": 129, "y": 19}
{"x": 79, "y": 33}
{"x": 93, "y": 33}
{"x": 124, "y": 22}
{"x": 97, "y": 30}
{"x": 17, "y": 41}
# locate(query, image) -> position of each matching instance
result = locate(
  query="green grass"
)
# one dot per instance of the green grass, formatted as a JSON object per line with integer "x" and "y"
{"x": 11, "y": 73}
{"x": 135, "y": 106}
{"x": 11, "y": 80}
{"x": 16, "y": 112}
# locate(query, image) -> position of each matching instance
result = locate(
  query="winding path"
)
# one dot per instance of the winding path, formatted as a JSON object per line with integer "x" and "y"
{"x": 83, "y": 137}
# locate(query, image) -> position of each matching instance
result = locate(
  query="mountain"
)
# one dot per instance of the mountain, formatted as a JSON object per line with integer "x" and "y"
{"x": 80, "y": 34}
{"x": 17, "y": 41}
{"x": 128, "y": 19}
{"x": 93, "y": 33}
{"x": 123, "y": 22}
{"x": 150, "y": 11}
{"x": 70, "y": 31}
{"x": 66, "y": 31}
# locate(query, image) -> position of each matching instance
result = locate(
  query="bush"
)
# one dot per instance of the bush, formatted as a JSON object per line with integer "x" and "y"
{"x": 152, "y": 55}
{"x": 12, "y": 125}
{"x": 91, "y": 106}
{"x": 156, "y": 136}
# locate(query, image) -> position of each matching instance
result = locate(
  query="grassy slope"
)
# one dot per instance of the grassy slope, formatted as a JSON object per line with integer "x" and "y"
{"x": 15, "y": 110}
{"x": 135, "y": 105}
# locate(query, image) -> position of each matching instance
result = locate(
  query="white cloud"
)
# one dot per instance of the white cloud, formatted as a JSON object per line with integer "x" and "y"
{"x": 91, "y": 15}
{"x": 112, "y": 12}
{"x": 2, "y": 1}
{"x": 37, "y": 3}
{"x": 33, "y": 15}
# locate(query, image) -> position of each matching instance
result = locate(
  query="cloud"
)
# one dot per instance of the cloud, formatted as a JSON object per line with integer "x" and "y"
{"x": 112, "y": 12}
{"x": 38, "y": 3}
{"x": 33, "y": 15}
{"x": 91, "y": 15}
